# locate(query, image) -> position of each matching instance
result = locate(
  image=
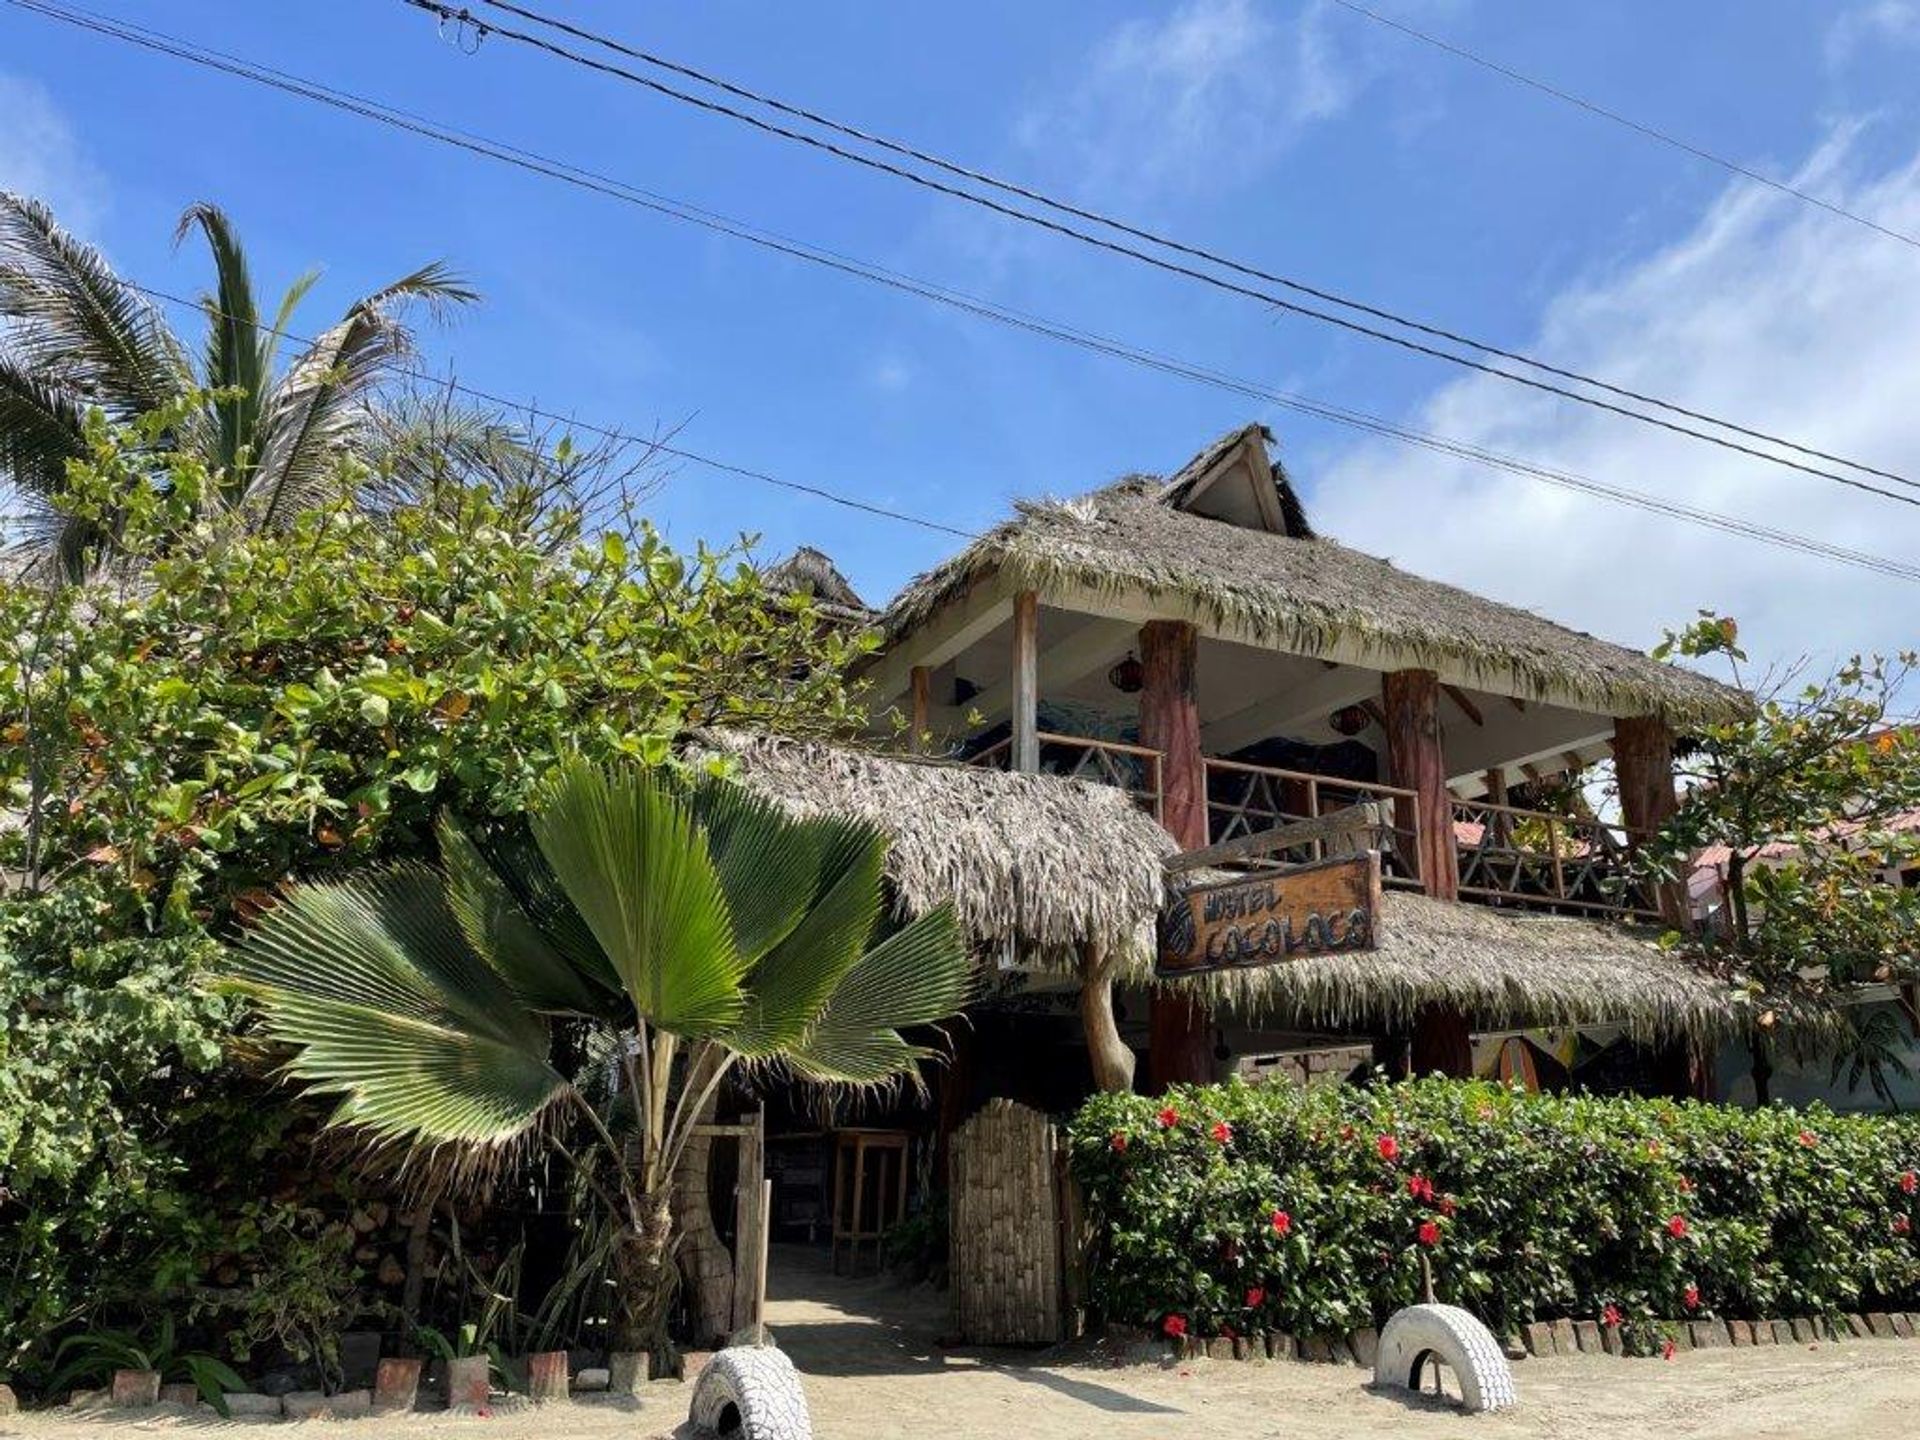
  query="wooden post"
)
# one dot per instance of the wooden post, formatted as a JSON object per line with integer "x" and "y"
{"x": 746, "y": 1194}
{"x": 922, "y": 680}
{"x": 1441, "y": 1039}
{"x": 1412, "y": 699}
{"x": 1180, "y": 1046}
{"x": 1643, "y": 769}
{"x": 1026, "y": 682}
{"x": 1442, "y": 1043}
{"x": 760, "y": 1278}
{"x": 1499, "y": 824}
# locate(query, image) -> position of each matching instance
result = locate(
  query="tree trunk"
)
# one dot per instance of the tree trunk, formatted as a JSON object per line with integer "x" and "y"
{"x": 643, "y": 1271}
{"x": 1762, "y": 1073}
{"x": 1112, "y": 1060}
{"x": 706, "y": 1265}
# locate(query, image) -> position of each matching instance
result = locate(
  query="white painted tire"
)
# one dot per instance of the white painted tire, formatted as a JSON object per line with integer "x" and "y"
{"x": 752, "y": 1392}
{"x": 1419, "y": 1335}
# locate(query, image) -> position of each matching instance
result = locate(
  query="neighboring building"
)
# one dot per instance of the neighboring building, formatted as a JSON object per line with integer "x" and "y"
{"x": 1897, "y": 1008}
{"x": 1192, "y": 646}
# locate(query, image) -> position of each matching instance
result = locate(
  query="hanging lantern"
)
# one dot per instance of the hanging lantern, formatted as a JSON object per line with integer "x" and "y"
{"x": 1350, "y": 719}
{"x": 1129, "y": 677}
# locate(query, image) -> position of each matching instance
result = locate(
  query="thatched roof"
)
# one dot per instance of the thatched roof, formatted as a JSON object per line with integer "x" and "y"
{"x": 812, "y": 572}
{"x": 1047, "y": 863}
{"x": 1303, "y": 594}
{"x": 1050, "y": 864}
{"x": 1500, "y": 968}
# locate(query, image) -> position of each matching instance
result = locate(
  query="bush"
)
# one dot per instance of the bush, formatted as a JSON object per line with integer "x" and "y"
{"x": 1236, "y": 1208}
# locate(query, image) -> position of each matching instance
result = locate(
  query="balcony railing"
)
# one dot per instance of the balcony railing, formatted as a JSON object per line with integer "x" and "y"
{"x": 1132, "y": 768}
{"x": 1245, "y": 799}
{"x": 1507, "y": 856}
{"x": 1536, "y": 858}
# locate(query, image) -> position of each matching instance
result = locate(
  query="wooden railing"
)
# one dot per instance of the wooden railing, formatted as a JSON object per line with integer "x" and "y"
{"x": 1539, "y": 859}
{"x": 1132, "y": 768}
{"x": 1243, "y": 799}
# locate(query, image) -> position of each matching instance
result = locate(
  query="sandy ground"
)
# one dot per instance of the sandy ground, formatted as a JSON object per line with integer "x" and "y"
{"x": 874, "y": 1372}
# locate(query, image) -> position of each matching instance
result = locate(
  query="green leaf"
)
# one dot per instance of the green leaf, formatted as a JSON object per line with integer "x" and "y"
{"x": 629, "y": 856}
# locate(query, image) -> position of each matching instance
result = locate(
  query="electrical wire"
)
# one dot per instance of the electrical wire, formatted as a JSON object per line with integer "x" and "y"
{"x": 972, "y": 305}
{"x": 1580, "y": 102}
{"x": 466, "y": 18}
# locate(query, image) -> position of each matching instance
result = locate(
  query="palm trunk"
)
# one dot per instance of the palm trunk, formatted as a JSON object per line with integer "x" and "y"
{"x": 643, "y": 1268}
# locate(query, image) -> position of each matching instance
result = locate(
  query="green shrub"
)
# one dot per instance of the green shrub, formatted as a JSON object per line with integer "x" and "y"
{"x": 1236, "y": 1207}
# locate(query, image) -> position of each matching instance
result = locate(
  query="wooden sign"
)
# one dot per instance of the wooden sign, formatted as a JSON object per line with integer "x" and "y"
{"x": 1321, "y": 909}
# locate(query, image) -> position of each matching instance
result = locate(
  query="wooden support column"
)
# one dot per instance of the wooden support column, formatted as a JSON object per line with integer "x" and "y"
{"x": 1026, "y": 682}
{"x": 1643, "y": 769}
{"x": 1442, "y": 1039}
{"x": 1180, "y": 1046}
{"x": 921, "y": 679}
{"x": 1499, "y": 825}
{"x": 1412, "y": 701}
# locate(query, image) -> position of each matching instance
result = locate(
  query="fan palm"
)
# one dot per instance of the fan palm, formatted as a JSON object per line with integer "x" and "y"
{"x": 695, "y": 928}
{"x": 75, "y": 336}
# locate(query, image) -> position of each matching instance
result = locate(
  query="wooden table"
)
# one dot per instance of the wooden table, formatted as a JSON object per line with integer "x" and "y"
{"x": 854, "y": 1221}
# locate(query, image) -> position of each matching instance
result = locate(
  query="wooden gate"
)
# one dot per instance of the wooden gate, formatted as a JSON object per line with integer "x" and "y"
{"x": 1005, "y": 1231}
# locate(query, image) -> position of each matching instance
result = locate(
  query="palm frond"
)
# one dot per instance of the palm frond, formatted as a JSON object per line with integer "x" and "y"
{"x": 510, "y": 939}
{"x": 916, "y": 976}
{"x": 391, "y": 1010}
{"x": 319, "y": 410}
{"x": 72, "y": 317}
{"x": 631, "y": 858}
{"x": 239, "y": 358}
{"x": 793, "y": 982}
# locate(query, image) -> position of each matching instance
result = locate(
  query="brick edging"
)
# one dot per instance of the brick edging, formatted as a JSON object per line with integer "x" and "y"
{"x": 1542, "y": 1338}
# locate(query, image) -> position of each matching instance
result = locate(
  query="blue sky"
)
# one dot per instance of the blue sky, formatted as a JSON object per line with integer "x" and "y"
{"x": 1292, "y": 133}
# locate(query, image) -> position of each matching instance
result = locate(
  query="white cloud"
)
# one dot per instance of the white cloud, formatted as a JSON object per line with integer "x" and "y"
{"x": 1876, "y": 22}
{"x": 1765, "y": 311}
{"x": 1202, "y": 96}
{"x": 41, "y": 156}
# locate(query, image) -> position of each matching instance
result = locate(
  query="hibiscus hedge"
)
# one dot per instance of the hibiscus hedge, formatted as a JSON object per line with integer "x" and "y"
{"x": 1232, "y": 1208}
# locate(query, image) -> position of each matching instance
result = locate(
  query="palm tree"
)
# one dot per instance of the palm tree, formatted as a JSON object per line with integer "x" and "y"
{"x": 689, "y": 929}
{"x": 75, "y": 336}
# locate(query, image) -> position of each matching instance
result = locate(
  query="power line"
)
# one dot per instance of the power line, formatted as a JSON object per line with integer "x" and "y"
{"x": 465, "y": 18}
{"x": 972, "y": 305}
{"x": 1627, "y": 122}
{"x": 1726, "y": 523}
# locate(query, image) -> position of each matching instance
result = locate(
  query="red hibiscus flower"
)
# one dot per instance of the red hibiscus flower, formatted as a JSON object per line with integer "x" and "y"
{"x": 1666, "y": 1351}
{"x": 1690, "y": 1297}
{"x": 1448, "y": 1205}
{"x": 1677, "y": 1227}
{"x": 1174, "y": 1326}
{"x": 1429, "y": 1232}
{"x": 1256, "y": 1297}
{"x": 1610, "y": 1317}
{"x": 1388, "y": 1147}
{"x": 1419, "y": 1187}
{"x": 1809, "y": 1139}
{"x": 1282, "y": 1222}
{"x": 1169, "y": 1118}
{"x": 1222, "y": 1132}
{"x": 1902, "y": 1225}
{"x": 1909, "y": 1182}
{"x": 1118, "y": 1144}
